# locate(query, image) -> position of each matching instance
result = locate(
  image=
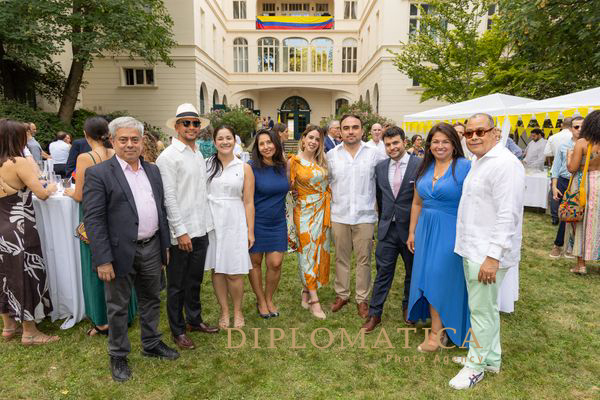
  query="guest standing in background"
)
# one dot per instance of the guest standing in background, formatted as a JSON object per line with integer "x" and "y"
{"x": 231, "y": 201}
{"x": 270, "y": 228}
{"x": 79, "y": 146}
{"x": 59, "y": 151}
{"x": 438, "y": 289}
{"x": 24, "y": 298}
{"x": 333, "y": 133}
{"x": 534, "y": 152}
{"x": 95, "y": 131}
{"x": 376, "y": 139}
{"x": 417, "y": 146}
{"x": 312, "y": 215}
{"x": 205, "y": 143}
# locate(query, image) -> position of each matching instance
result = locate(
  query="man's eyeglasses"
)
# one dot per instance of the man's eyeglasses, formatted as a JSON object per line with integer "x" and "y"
{"x": 479, "y": 132}
{"x": 577, "y": 127}
{"x": 187, "y": 123}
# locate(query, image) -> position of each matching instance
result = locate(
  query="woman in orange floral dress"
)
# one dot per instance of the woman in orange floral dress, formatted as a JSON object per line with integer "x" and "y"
{"x": 308, "y": 178}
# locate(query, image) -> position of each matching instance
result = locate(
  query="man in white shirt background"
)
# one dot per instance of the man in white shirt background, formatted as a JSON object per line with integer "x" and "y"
{"x": 183, "y": 172}
{"x": 376, "y": 139}
{"x": 488, "y": 237}
{"x": 59, "y": 151}
{"x": 352, "y": 181}
{"x": 534, "y": 152}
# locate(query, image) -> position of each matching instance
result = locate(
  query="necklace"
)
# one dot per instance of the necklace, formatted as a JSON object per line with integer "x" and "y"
{"x": 438, "y": 177}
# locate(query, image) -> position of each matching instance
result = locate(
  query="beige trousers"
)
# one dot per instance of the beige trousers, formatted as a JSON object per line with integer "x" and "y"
{"x": 360, "y": 239}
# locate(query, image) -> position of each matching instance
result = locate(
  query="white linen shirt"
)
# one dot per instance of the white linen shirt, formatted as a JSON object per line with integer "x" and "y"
{"x": 59, "y": 150}
{"x": 379, "y": 146}
{"x": 554, "y": 142}
{"x": 534, "y": 154}
{"x": 183, "y": 173}
{"x": 352, "y": 182}
{"x": 490, "y": 214}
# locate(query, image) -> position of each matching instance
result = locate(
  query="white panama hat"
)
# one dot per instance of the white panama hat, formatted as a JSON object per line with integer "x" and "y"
{"x": 187, "y": 110}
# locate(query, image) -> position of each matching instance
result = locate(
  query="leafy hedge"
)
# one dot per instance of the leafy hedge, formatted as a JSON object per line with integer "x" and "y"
{"x": 242, "y": 120}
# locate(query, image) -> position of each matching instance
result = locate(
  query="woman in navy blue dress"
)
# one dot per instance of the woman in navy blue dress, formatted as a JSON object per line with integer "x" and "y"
{"x": 438, "y": 288}
{"x": 270, "y": 227}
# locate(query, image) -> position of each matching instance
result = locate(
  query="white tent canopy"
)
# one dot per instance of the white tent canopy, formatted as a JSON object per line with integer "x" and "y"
{"x": 493, "y": 104}
{"x": 583, "y": 99}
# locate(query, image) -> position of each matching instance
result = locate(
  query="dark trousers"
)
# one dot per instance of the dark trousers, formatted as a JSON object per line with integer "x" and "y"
{"x": 561, "y": 184}
{"x": 386, "y": 256}
{"x": 184, "y": 279}
{"x": 60, "y": 169}
{"x": 146, "y": 279}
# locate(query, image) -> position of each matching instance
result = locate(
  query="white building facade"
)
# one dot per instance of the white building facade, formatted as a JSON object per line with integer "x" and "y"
{"x": 298, "y": 76}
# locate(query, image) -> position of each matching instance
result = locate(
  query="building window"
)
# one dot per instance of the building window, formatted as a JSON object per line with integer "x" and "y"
{"x": 202, "y": 29}
{"x": 376, "y": 97}
{"x": 349, "y": 53}
{"x": 415, "y": 82}
{"x": 322, "y": 55}
{"x": 203, "y": 94}
{"x": 214, "y": 42}
{"x": 322, "y": 9}
{"x": 350, "y": 9}
{"x": 295, "y": 55}
{"x": 248, "y": 103}
{"x": 368, "y": 98}
{"x": 339, "y": 103}
{"x": 294, "y": 8}
{"x": 268, "y": 55}
{"x": 138, "y": 76}
{"x": 416, "y": 11}
{"x": 491, "y": 13}
{"x": 269, "y": 9}
{"x": 239, "y": 10}
{"x": 215, "y": 97}
{"x": 224, "y": 100}
{"x": 240, "y": 55}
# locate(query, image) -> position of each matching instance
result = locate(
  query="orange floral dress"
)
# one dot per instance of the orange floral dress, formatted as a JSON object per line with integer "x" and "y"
{"x": 312, "y": 219}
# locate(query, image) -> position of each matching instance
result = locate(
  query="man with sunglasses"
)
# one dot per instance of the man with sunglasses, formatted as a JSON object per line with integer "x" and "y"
{"x": 488, "y": 237}
{"x": 560, "y": 182}
{"x": 183, "y": 171}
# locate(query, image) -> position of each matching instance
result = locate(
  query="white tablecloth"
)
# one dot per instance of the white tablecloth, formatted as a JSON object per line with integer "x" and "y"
{"x": 56, "y": 220}
{"x": 509, "y": 291}
{"x": 537, "y": 185}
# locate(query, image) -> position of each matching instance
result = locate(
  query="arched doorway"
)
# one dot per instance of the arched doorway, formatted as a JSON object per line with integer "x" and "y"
{"x": 295, "y": 113}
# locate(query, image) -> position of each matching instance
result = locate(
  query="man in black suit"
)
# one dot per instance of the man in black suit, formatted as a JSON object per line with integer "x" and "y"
{"x": 333, "y": 131}
{"x": 126, "y": 223}
{"x": 79, "y": 146}
{"x": 395, "y": 178}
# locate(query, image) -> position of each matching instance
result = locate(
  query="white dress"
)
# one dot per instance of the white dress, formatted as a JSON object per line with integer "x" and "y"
{"x": 228, "y": 243}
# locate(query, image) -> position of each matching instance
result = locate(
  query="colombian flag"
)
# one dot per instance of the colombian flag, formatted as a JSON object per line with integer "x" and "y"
{"x": 288, "y": 23}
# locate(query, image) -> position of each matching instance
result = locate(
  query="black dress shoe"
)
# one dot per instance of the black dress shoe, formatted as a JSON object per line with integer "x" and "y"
{"x": 202, "y": 327}
{"x": 161, "y": 350}
{"x": 119, "y": 369}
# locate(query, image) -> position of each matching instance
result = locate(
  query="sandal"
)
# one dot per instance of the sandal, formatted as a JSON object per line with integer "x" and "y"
{"x": 304, "y": 303}
{"x": 94, "y": 330}
{"x": 39, "y": 339}
{"x": 238, "y": 322}
{"x": 9, "y": 334}
{"x": 579, "y": 270}
{"x": 224, "y": 322}
{"x": 318, "y": 315}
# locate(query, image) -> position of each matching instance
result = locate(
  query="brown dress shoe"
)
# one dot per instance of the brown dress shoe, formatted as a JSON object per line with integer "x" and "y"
{"x": 203, "y": 328}
{"x": 405, "y": 315}
{"x": 371, "y": 323}
{"x": 338, "y": 304}
{"x": 363, "y": 309}
{"x": 183, "y": 342}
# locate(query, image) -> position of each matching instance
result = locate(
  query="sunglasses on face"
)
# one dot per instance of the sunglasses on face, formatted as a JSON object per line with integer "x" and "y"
{"x": 577, "y": 127}
{"x": 479, "y": 132}
{"x": 187, "y": 123}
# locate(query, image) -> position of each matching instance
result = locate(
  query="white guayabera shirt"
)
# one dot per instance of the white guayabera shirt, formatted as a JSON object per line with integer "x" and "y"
{"x": 183, "y": 173}
{"x": 490, "y": 214}
{"x": 352, "y": 182}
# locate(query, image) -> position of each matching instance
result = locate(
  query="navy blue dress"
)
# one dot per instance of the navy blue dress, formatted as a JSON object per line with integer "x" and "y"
{"x": 438, "y": 276}
{"x": 270, "y": 226}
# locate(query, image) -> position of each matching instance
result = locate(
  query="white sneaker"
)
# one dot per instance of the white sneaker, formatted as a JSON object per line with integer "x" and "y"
{"x": 463, "y": 361}
{"x": 466, "y": 379}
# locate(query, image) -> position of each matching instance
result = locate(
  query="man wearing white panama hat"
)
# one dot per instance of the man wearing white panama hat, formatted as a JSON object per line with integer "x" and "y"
{"x": 183, "y": 171}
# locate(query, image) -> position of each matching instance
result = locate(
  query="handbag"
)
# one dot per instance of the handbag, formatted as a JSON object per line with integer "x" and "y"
{"x": 572, "y": 205}
{"x": 81, "y": 233}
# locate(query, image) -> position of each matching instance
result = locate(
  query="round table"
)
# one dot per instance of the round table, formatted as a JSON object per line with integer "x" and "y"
{"x": 56, "y": 219}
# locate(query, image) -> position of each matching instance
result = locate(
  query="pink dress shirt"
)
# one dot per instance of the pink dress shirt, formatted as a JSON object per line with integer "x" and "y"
{"x": 143, "y": 197}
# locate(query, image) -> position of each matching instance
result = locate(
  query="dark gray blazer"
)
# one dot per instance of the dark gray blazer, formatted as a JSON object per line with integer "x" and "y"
{"x": 390, "y": 206}
{"x": 110, "y": 215}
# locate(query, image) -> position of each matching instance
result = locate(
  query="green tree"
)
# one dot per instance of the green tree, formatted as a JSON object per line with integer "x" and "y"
{"x": 446, "y": 54}
{"x": 96, "y": 28}
{"x": 241, "y": 119}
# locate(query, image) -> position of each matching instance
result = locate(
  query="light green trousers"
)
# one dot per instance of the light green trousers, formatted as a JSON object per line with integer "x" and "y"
{"x": 485, "y": 318}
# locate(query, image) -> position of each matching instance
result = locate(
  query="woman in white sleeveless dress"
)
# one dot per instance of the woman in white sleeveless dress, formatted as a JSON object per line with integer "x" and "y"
{"x": 231, "y": 201}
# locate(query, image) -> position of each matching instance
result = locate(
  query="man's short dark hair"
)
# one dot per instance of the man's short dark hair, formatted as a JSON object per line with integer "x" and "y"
{"x": 393, "y": 131}
{"x": 351, "y": 116}
{"x": 61, "y": 135}
{"x": 537, "y": 131}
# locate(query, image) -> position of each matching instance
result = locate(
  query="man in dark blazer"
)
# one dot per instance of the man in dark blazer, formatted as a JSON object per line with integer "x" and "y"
{"x": 333, "y": 131}
{"x": 395, "y": 178}
{"x": 79, "y": 146}
{"x": 127, "y": 226}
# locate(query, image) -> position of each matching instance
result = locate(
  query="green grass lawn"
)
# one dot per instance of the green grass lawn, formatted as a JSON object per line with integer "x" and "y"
{"x": 551, "y": 349}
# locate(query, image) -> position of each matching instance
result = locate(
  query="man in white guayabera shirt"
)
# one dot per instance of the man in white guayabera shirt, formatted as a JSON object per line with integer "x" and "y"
{"x": 488, "y": 237}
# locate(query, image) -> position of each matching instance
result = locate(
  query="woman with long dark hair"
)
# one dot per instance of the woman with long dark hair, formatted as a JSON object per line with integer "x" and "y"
{"x": 231, "y": 199}
{"x": 270, "y": 227}
{"x": 438, "y": 289}
{"x": 24, "y": 297}
{"x": 95, "y": 131}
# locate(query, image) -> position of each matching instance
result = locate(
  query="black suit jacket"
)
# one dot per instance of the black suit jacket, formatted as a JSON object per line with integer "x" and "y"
{"x": 110, "y": 215}
{"x": 79, "y": 146}
{"x": 400, "y": 206}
